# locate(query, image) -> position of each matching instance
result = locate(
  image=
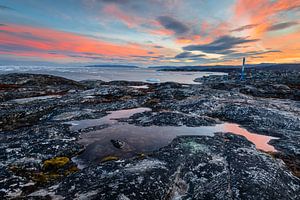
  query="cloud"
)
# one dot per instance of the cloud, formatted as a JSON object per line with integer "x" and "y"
{"x": 246, "y": 27}
{"x": 133, "y": 7}
{"x": 263, "y": 12}
{"x": 5, "y": 8}
{"x": 262, "y": 9}
{"x": 172, "y": 24}
{"x": 222, "y": 45}
{"x": 2, "y": 24}
{"x": 114, "y": 1}
{"x": 188, "y": 54}
{"x": 35, "y": 43}
{"x": 16, "y": 48}
{"x": 85, "y": 55}
{"x": 116, "y": 12}
{"x": 250, "y": 53}
{"x": 263, "y": 52}
{"x": 280, "y": 26}
{"x": 26, "y": 35}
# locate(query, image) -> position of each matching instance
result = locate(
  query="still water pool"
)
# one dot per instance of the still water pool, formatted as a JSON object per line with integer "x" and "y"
{"x": 139, "y": 139}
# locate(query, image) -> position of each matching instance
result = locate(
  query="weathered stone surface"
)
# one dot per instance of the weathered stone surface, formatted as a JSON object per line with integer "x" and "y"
{"x": 220, "y": 167}
{"x": 225, "y": 166}
{"x": 15, "y": 86}
{"x": 170, "y": 119}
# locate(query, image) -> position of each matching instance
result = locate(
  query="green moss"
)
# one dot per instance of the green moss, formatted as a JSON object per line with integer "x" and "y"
{"x": 141, "y": 156}
{"x": 52, "y": 170}
{"x": 56, "y": 163}
{"x": 71, "y": 170}
{"x": 195, "y": 147}
{"x": 43, "y": 177}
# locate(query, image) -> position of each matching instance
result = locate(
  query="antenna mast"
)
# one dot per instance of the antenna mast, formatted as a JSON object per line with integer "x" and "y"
{"x": 243, "y": 68}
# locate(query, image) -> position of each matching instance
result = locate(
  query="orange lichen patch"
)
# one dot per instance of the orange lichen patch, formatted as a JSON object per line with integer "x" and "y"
{"x": 153, "y": 101}
{"x": 8, "y": 86}
{"x": 109, "y": 158}
{"x": 126, "y": 97}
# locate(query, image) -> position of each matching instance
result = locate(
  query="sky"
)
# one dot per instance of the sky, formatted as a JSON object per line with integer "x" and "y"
{"x": 149, "y": 32}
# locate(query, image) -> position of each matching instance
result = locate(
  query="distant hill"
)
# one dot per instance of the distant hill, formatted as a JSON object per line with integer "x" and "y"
{"x": 295, "y": 67}
{"x": 228, "y": 68}
{"x": 163, "y": 67}
{"x": 113, "y": 66}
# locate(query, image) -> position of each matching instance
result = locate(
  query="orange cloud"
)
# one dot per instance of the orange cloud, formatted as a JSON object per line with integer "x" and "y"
{"x": 220, "y": 30}
{"x": 287, "y": 44}
{"x": 264, "y": 14}
{"x": 261, "y": 12}
{"x": 48, "y": 40}
{"x": 161, "y": 32}
{"x": 188, "y": 40}
{"x": 115, "y": 11}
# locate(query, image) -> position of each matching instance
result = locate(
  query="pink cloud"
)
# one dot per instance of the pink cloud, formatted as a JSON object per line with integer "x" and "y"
{"x": 50, "y": 40}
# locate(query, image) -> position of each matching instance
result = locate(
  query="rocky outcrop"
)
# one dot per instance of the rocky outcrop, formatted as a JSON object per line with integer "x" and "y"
{"x": 38, "y": 148}
{"x": 220, "y": 167}
{"x": 16, "y": 86}
{"x": 170, "y": 119}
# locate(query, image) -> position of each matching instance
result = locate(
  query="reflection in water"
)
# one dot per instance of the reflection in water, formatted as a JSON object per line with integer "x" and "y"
{"x": 108, "y": 119}
{"x": 138, "y": 139}
{"x": 141, "y": 139}
{"x": 140, "y": 86}
{"x": 260, "y": 141}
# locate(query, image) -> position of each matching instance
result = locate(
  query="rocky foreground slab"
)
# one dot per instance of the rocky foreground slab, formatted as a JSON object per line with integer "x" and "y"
{"x": 38, "y": 147}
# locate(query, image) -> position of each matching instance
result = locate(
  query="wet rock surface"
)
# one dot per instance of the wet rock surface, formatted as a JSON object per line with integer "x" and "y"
{"x": 37, "y": 145}
{"x": 267, "y": 84}
{"x": 118, "y": 144}
{"x": 220, "y": 167}
{"x": 166, "y": 118}
{"x": 16, "y": 86}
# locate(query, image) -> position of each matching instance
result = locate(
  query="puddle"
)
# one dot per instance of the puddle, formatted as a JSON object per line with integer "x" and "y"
{"x": 153, "y": 80}
{"x": 139, "y": 139}
{"x": 30, "y": 99}
{"x": 140, "y": 86}
{"x": 260, "y": 141}
{"x": 108, "y": 119}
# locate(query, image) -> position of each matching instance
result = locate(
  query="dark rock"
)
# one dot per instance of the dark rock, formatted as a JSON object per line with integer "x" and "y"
{"x": 225, "y": 166}
{"x": 170, "y": 119}
{"x": 15, "y": 86}
{"x": 118, "y": 144}
{"x": 220, "y": 167}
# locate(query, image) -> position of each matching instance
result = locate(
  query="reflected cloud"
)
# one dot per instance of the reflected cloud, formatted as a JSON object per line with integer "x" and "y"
{"x": 260, "y": 141}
